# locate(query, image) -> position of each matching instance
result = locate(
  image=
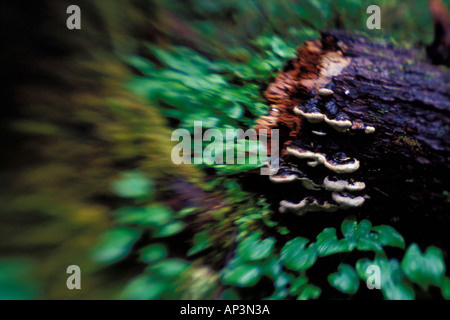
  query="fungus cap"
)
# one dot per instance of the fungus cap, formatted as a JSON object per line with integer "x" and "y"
{"x": 346, "y": 200}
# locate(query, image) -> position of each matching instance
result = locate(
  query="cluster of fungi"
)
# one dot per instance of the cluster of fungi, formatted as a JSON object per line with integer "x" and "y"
{"x": 314, "y": 131}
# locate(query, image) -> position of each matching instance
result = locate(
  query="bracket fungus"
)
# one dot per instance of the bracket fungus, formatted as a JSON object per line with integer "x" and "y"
{"x": 334, "y": 184}
{"x": 314, "y": 131}
{"x": 308, "y": 204}
{"x": 338, "y": 162}
{"x": 347, "y": 200}
{"x": 339, "y": 122}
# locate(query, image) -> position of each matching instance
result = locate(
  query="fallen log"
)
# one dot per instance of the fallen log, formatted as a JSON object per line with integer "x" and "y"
{"x": 363, "y": 126}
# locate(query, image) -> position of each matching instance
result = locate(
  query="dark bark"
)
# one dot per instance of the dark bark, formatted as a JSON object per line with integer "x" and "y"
{"x": 405, "y": 162}
{"x": 406, "y": 99}
{"x": 439, "y": 50}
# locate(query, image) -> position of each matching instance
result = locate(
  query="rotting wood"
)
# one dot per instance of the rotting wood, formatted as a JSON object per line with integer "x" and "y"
{"x": 395, "y": 120}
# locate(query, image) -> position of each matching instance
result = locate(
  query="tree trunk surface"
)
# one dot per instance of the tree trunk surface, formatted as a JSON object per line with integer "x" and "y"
{"x": 399, "y": 109}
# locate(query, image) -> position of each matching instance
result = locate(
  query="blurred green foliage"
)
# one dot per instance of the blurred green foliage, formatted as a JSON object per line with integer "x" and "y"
{"x": 17, "y": 280}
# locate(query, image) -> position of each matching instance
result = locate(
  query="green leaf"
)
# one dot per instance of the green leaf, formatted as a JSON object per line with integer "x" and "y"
{"x": 133, "y": 184}
{"x": 363, "y": 228}
{"x": 283, "y": 280}
{"x": 283, "y": 231}
{"x": 270, "y": 223}
{"x": 298, "y": 284}
{"x": 153, "y": 253}
{"x": 352, "y": 230}
{"x": 251, "y": 249}
{"x": 424, "y": 269}
{"x": 185, "y": 212}
{"x": 295, "y": 256}
{"x": 392, "y": 280}
{"x": 258, "y": 109}
{"x": 349, "y": 227}
{"x": 272, "y": 267}
{"x": 445, "y": 288}
{"x": 144, "y": 65}
{"x": 144, "y": 287}
{"x": 115, "y": 244}
{"x": 309, "y": 292}
{"x": 242, "y": 275}
{"x": 362, "y": 267}
{"x": 170, "y": 229}
{"x": 236, "y": 111}
{"x": 369, "y": 244}
{"x": 169, "y": 268}
{"x": 201, "y": 241}
{"x": 156, "y": 216}
{"x": 354, "y": 233}
{"x": 345, "y": 280}
{"x": 278, "y": 294}
{"x": 327, "y": 243}
{"x": 388, "y": 236}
